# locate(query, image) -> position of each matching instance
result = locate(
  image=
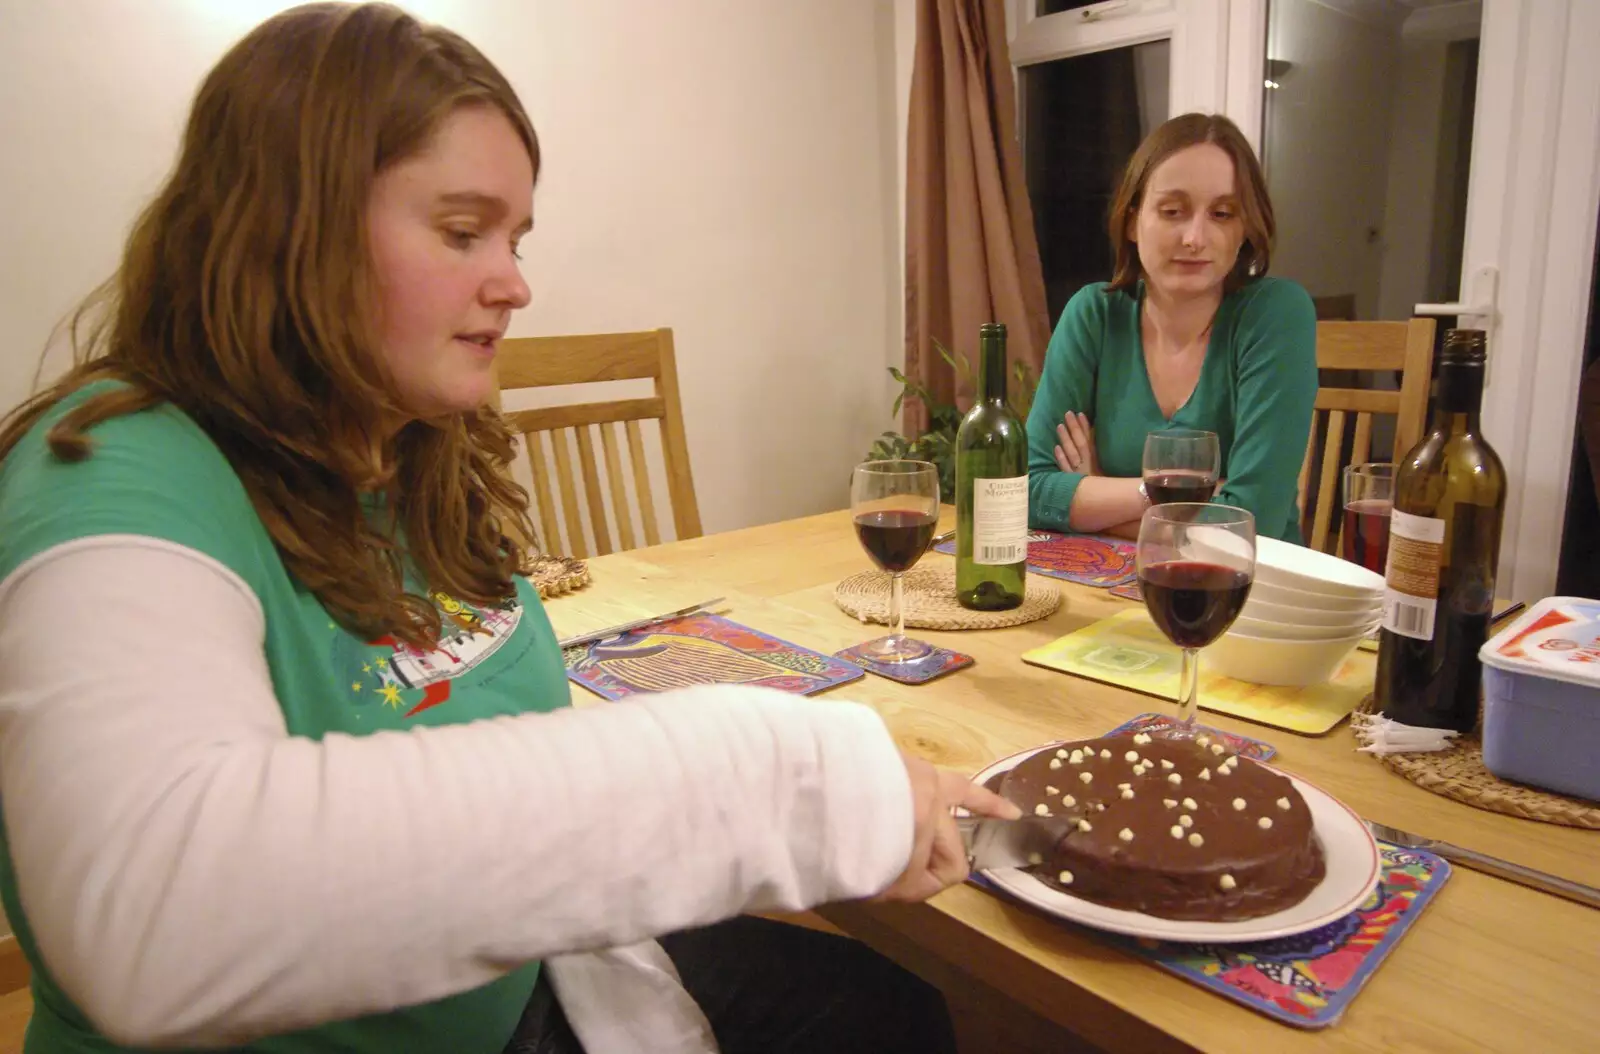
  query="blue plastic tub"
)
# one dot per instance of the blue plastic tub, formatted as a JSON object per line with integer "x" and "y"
{"x": 1541, "y": 698}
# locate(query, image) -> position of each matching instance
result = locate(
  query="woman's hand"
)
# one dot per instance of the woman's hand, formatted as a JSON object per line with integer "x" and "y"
{"x": 938, "y": 858}
{"x": 1075, "y": 445}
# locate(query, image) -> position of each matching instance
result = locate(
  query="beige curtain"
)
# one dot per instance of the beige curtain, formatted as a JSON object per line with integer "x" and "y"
{"x": 971, "y": 255}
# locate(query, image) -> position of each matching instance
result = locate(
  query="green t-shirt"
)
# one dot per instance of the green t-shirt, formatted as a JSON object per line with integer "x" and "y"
{"x": 157, "y": 474}
{"x": 1257, "y": 390}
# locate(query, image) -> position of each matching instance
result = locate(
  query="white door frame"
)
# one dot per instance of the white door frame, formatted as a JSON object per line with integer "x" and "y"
{"x": 1532, "y": 202}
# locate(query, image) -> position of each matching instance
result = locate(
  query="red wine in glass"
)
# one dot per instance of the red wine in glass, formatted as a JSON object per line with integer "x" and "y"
{"x": 1366, "y": 532}
{"x": 1179, "y": 485}
{"x": 896, "y": 538}
{"x": 1191, "y": 602}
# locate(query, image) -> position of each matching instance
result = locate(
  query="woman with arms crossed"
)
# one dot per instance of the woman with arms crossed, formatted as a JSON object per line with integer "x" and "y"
{"x": 1189, "y": 333}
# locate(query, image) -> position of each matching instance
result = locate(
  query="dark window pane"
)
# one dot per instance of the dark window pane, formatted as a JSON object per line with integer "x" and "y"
{"x": 1082, "y": 119}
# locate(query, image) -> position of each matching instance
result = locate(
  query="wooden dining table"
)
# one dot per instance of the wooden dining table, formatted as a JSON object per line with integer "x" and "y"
{"x": 1490, "y": 965}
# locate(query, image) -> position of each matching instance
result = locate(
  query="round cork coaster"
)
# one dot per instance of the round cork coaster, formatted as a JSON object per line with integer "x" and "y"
{"x": 555, "y": 576}
{"x": 930, "y": 601}
{"x": 1459, "y": 774}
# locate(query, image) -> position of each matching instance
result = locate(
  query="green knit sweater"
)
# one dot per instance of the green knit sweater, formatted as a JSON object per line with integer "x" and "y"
{"x": 1256, "y": 392}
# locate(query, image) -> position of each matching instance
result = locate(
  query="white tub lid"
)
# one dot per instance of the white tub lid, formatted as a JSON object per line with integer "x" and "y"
{"x": 1559, "y": 638}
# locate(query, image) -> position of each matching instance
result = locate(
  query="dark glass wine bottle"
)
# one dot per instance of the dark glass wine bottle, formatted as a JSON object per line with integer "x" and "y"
{"x": 1444, "y": 548}
{"x": 991, "y": 489}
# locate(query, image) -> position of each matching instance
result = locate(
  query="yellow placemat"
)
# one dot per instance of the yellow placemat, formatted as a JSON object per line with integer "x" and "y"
{"x": 1128, "y": 651}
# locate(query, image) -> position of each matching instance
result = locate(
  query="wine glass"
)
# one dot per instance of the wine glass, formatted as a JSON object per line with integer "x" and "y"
{"x": 1368, "y": 502}
{"x": 896, "y": 509}
{"x": 1196, "y": 563}
{"x": 1181, "y": 465}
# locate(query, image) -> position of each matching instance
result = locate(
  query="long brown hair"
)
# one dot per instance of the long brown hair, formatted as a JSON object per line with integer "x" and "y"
{"x": 1255, "y": 206}
{"x": 246, "y": 299}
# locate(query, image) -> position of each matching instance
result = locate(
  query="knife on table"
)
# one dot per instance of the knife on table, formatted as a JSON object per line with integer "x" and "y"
{"x": 1490, "y": 865}
{"x": 624, "y": 627}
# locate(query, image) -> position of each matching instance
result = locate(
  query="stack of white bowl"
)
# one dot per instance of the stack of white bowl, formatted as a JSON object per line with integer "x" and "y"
{"x": 1307, "y": 611}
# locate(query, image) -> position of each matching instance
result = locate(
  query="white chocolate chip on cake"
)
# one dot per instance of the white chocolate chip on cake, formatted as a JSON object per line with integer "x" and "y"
{"x": 1170, "y": 803}
{"x": 1034, "y": 859}
{"x": 1127, "y": 794}
{"x": 1065, "y": 878}
{"x": 1061, "y": 754}
{"x": 1055, "y": 763}
{"x": 1069, "y": 801}
{"x": 1264, "y": 823}
{"x": 1050, "y": 790}
{"x": 1125, "y": 834}
{"x": 1132, "y": 755}
{"x": 1105, "y": 755}
{"x": 1041, "y": 809}
{"x": 1166, "y": 764}
{"x": 1216, "y": 748}
{"x": 1226, "y": 882}
{"x": 1202, "y": 740}
{"x": 1238, "y": 805}
{"x": 1099, "y": 806}
{"x": 1087, "y": 777}
{"x": 1123, "y": 786}
{"x": 1177, "y": 832}
{"x": 1283, "y": 803}
{"x": 1083, "y": 825}
{"x": 1205, "y": 774}
{"x": 1076, "y": 758}
{"x": 1186, "y": 820}
{"x": 1174, "y": 779}
{"x": 1140, "y": 739}
{"x": 1196, "y": 841}
{"x": 1188, "y": 803}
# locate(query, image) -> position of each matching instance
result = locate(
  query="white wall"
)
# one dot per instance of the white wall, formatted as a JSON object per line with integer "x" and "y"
{"x": 1327, "y": 131}
{"x": 724, "y": 167}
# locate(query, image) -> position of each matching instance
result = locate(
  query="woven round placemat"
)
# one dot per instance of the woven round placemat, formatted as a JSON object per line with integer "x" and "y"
{"x": 930, "y": 601}
{"x": 555, "y": 576}
{"x": 1459, "y": 774}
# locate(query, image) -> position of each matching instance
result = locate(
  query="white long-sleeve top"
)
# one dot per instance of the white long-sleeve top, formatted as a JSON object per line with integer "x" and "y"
{"x": 193, "y": 875}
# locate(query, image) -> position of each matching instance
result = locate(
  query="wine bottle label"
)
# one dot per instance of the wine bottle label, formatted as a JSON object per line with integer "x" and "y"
{"x": 1000, "y": 520}
{"x": 1411, "y": 579}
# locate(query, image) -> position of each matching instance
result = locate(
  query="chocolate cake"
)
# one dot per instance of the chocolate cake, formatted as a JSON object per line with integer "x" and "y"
{"x": 1181, "y": 829}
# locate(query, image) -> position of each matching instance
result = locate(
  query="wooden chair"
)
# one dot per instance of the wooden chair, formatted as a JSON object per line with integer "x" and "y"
{"x": 1403, "y": 346}
{"x": 548, "y": 434}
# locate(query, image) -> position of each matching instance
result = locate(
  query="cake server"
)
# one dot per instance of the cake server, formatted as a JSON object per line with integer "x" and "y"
{"x": 992, "y": 843}
{"x": 1490, "y": 865}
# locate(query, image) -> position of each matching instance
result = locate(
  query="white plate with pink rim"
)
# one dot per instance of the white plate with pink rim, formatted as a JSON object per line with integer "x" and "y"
{"x": 1351, "y": 856}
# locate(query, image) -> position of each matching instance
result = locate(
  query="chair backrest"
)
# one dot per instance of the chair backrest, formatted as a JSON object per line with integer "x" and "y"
{"x": 1406, "y": 347}
{"x": 548, "y": 433}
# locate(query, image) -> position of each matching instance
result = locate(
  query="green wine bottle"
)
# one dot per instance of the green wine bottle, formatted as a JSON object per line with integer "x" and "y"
{"x": 991, "y": 489}
{"x": 1444, "y": 548}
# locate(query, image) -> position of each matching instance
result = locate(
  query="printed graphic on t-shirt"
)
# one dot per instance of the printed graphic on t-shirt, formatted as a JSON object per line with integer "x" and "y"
{"x": 410, "y": 680}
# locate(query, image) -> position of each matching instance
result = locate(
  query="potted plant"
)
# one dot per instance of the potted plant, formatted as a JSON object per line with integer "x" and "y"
{"x": 938, "y": 443}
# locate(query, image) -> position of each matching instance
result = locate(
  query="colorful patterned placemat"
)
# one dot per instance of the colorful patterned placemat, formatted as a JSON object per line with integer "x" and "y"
{"x": 1155, "y": 724}
{"x": 1310, "y": 980}
{"x": 701, "y": 649}
{"x": 1087, "y": 559}
{"x": 1128, "y": 651}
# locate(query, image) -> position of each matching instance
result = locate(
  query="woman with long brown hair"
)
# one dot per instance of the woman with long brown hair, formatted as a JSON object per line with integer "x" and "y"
{"x": 1189, "y": 333}
{"x": 253, "y": 797}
